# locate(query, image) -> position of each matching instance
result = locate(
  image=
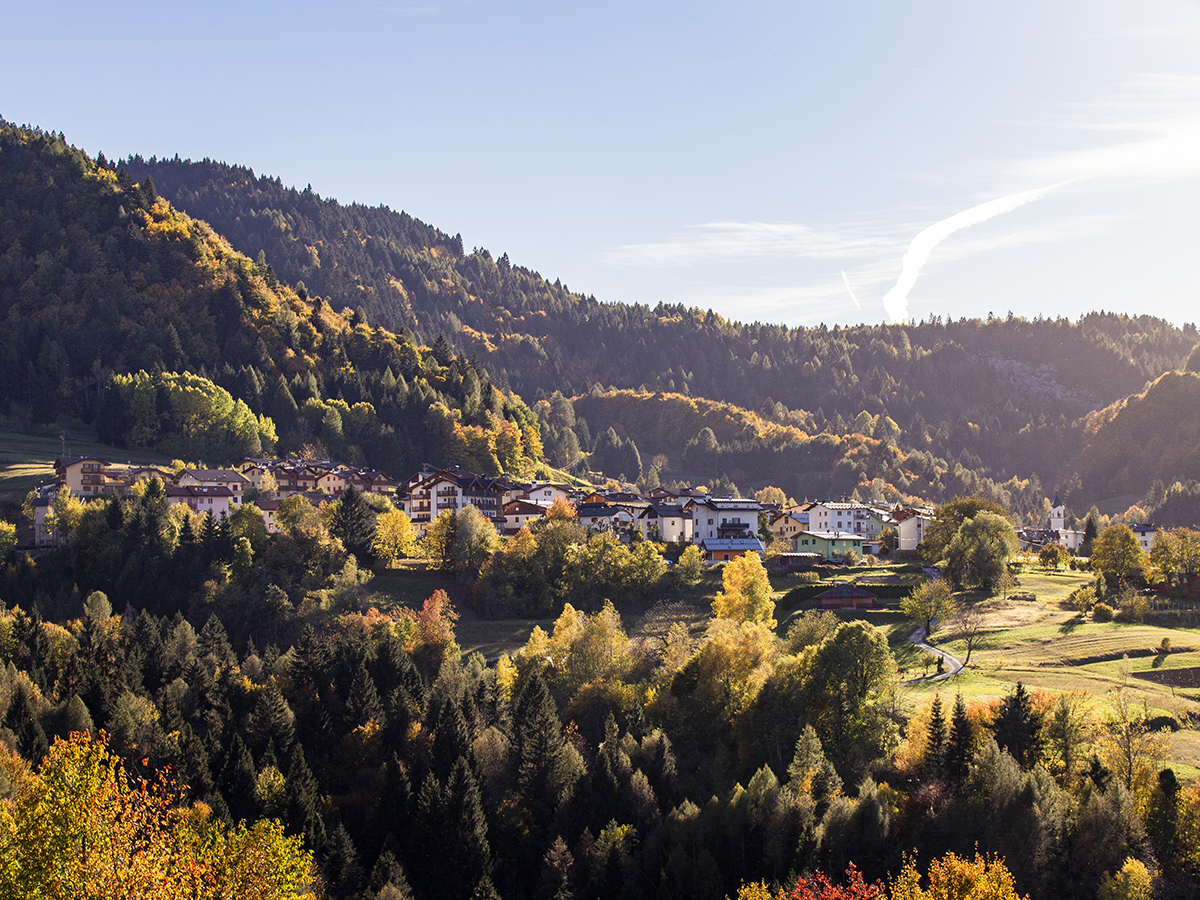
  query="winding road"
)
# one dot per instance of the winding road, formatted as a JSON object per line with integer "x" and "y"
{"x": 953, "y": 664}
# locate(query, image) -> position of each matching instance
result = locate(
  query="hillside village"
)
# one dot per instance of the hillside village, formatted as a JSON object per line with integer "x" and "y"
{"x": 723, "y": 528}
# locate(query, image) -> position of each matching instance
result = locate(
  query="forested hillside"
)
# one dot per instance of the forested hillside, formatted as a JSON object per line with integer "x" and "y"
{"x": 101, "y": 278}
{"x": 1000, "y": 398}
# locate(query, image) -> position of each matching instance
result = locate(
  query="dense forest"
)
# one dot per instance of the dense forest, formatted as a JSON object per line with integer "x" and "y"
{"x": 101, "y": 279}
{"x": 683, "y": 755}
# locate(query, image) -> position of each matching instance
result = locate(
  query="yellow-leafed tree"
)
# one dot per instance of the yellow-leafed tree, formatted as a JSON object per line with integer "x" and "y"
{"x": 81, "y": 827}
{"x": 745, "y": 592}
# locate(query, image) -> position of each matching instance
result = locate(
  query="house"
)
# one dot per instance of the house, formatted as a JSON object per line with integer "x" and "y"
{"x": 268, "y": 508}
{"x": 41, "y": 532}
{"x": 84, "y": 475}
{"x": 911, "y": 525}
{"x": 204, "y": 498}
{"x": 603, "y": 516}
{"x": 722, "y": 517}
{"x": 226, "y": 478}
{"x": 1145, "y": 535}
{"x": 846, "y": 596}
{"x": 785, "y": 526}
{"x": 830, "y": 544}
{"x": 849, "y": 515}
{"x": 545, "y": 494}
{"x": 519, "y": 513}
{"x": 726, "y": 549}
{"x": 454, "y": 490}
{"x": 665, "y": 522}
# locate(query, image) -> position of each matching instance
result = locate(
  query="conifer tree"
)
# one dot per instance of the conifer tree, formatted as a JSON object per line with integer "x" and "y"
{"x": 935, "y": 744}
{"x": 451, "y": 739}
{"x": 362, "y": 703}
{"x": 959, "y": 743}
{"x": 1018, "y": 727}
{"x": 543, "y": 777}
{"x": 23, "y": 722}
{"x": 238, "y": 780}
{"x": 213, "y": 645}
{"x": 303, "y": 815}
{"x": 354, "y": 524}
{"x": 343, "y": 869}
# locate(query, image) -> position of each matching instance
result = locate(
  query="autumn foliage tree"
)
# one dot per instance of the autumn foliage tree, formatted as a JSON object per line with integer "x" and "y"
{"x": 80, "y": 826}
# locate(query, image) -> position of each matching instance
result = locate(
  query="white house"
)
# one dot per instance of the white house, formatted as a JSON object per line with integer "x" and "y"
{"x": 849, "y": 515}
{"x": 722, "y": 517}
{"x": 911, "y": 525}
{"x": 665, "y": 522}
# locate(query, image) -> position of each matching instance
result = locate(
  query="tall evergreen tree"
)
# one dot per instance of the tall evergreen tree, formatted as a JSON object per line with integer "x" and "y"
{"x": 23, "y": 722}
{"x": 354, "y": 524}
{"x": 303, "y": 814}
{"x": 935, "y": 745}
{"x": 959, "y": 743}
{"x": 1018, "y": 727}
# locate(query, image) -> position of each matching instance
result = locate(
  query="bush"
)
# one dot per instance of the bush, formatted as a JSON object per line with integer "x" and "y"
{"x": 1133, "y": 606}
{"x": 1102, "y": 612}
{"x": 1082, "y": 599}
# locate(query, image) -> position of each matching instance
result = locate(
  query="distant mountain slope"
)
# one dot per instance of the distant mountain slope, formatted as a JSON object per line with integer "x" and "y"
{"x": 1154, "y": 435}
{"x": 100, "y": 275}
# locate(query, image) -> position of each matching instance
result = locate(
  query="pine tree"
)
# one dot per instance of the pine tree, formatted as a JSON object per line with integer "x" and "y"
{"x": 303, "y": 816}
{"x": 23, "y": 722}
{"x": 960, "y": 743}
{"x": 354, "y": 524}
{"x": 1018, "y": 727}
{"x": 362, "y": 703}
{"x": 935, "y": 745}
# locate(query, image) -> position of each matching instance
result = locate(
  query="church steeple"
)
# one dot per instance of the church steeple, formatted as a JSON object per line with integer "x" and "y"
{"x": 1058, "y": 514}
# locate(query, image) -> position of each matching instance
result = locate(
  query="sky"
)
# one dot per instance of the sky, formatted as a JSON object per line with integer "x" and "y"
{"x": 793, "y": 162}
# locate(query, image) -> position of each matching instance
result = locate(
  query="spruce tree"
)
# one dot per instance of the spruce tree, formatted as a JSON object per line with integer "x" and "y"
{"x": 1018, "y": 727}
{"x": 959, "y": 743}
{"x": 238, "y": 781}
{"x": 354, "y": 524}
{"x": 935, "y": 745}
{"x": 303, "y": 815}
{"x": 342, "y": 866}
{"x": 362, "y": 703}
{"x": 23, "y": 722}
{"x": 543, "y": 778}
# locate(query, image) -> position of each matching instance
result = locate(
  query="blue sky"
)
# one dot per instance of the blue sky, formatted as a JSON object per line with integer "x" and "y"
{"x": 772, "y": 161}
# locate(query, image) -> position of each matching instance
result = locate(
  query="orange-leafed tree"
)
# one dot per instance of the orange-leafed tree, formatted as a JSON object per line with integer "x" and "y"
{"x": 81, "y": 826}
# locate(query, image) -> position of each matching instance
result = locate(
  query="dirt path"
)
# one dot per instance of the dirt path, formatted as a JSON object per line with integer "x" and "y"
{"x": 953, "y": 664}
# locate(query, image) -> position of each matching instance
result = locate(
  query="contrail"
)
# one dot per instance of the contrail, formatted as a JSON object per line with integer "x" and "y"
{"x": 895, "y": 301}
{"x": 846, "y": 281}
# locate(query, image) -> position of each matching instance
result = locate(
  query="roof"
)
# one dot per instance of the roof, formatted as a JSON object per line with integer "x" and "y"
{"x": 227, "y": 476}
{"x": 523, "y": 508}
{"x": 710, "y": 544}
{"x": 664, "y": 511}
{"x": 604, "y": 510}
{"x": 727, "y": 503}
{"x": 834, "y": 535}
{"x": 65, "y": 461}
{"x": 198, "y": 490}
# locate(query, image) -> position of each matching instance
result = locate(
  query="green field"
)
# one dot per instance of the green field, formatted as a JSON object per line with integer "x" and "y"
{"x": 27, "y": 461}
